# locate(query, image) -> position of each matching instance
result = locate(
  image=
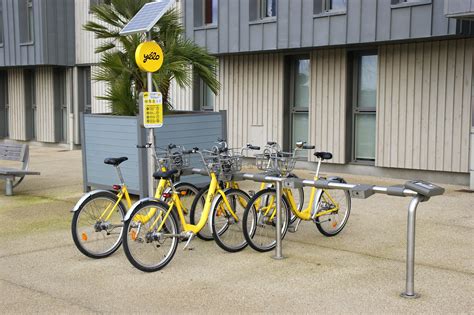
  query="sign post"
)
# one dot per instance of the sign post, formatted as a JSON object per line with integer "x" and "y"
{"x": 149, "y": 58}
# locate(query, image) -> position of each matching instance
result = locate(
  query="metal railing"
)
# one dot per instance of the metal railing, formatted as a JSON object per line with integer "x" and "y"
{"x": 360, "y": 191}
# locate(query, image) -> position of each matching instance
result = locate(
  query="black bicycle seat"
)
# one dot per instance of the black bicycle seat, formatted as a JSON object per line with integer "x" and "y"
{"x": 323, "y": 155}
{"x": 165, "y": 175}
{"x": 115, "y": 161}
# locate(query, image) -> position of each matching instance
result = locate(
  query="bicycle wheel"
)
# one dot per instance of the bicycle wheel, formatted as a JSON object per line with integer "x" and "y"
{"x": 332, "y": 223}
{"x": 96, "y": 229}
{"x": 260, "y": 220}
{"x": 151, "y": 238}
{"x": 187, "y": 193}
{"x": 195, "y": 214}
{"x": 226, "y": 229}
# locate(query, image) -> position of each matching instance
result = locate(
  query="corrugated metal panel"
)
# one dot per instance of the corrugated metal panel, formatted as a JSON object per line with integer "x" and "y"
{"x": 98, "y": 88}
{"x": 44, "y": 105}
{"x": 296, "y": 26}
{"x": 181, "y": 98}
{"x": 424, "y": 101}
{"x": 328, "y": 102}
{"x": 53, "y": 39}
{"x": 16, "y": 100}
{"x": 252, "y": 94}
{"x": 85, "y": 41}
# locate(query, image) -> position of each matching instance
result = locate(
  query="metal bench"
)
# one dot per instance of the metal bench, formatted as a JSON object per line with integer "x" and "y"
{"x": 14, "y": 176}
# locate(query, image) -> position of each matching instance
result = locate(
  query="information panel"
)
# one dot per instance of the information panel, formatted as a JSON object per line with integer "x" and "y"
{"x": 152, "y": 109}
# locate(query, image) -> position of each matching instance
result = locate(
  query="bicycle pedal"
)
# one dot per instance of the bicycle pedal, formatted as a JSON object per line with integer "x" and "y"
{"x": 292, "y": 229}
{"x": 191, "y": 236}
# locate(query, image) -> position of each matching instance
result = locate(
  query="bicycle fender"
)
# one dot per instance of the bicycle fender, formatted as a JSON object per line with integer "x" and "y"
{"x": 135, "y": 205}
{"x": 213, "y": 205}
{"x": 88, "y": 196}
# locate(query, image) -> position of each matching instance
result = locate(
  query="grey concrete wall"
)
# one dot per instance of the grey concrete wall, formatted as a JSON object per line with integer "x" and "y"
{"x": 54, "y": 34}
{"x": 295, "y": 26}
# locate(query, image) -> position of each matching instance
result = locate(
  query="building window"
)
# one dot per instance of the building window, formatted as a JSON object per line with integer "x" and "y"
{"x": 204, "y": 98}
{"x": 364, "y": 98}
{"x": 205, "y": 12}
{"x": 262, "y": 9}
{"x": 298, "y": 87}
{"x": 1, "y": 23}
{"x": 60, "y": 106}
{"x": 323, "y": 6}
{"x": 27, "y": 24}
{"x": 85, "y": 88}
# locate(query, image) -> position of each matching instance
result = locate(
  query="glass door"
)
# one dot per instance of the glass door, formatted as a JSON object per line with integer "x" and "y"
{"x": 3, "y": 104}
{"x": 299, "y": 87}
{"x": 364, "y": 107}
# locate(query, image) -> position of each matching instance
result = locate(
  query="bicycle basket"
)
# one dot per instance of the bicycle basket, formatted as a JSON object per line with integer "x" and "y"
{"x": 285, "y": 162}
{"x": 264, "y": 162}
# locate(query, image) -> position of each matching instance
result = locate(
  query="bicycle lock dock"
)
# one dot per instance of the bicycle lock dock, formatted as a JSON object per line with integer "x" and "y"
{"x": 420, "y": 191}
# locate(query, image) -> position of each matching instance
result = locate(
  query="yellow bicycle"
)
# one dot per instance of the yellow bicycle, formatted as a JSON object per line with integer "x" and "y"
{"x": 150, "y": 245}
{"x": 329, "y": 210}
{"x": 231, "y": 182}
{"x": 97, "y": 221}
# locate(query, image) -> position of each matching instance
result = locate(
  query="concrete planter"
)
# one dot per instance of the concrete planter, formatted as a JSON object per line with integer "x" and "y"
{"x": 114, "y": 136}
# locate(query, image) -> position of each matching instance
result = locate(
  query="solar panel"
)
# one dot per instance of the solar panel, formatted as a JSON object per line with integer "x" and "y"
{"x": 147, "y": 17}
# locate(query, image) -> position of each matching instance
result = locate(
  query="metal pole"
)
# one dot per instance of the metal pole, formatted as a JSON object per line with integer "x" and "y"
{"x": 278, "y": 251}
{"x": 151, "y": 137}
{"x": 8, "y": 186}
{"x": 71, "y": 131}
{"x": 410, "y": 280}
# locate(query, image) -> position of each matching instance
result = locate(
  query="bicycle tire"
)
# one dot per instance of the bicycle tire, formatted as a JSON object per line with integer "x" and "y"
{"x": 81, "y": 236}
{"x": 147, "y": 241}
{"x": 264, "y": 241}
{"x": 223, "y": 225}
{"x": 332, "y": 218}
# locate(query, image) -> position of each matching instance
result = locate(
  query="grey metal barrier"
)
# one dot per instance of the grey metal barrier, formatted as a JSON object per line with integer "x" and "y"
{"x": 419, "y": 191}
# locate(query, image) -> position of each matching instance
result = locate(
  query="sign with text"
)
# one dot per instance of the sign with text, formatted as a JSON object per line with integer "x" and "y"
{"x": 149, "y": 56}
{"x": 152, "y": 109}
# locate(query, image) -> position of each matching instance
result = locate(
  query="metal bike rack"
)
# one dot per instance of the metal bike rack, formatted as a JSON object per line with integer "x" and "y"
{"x": 419, "y": 191}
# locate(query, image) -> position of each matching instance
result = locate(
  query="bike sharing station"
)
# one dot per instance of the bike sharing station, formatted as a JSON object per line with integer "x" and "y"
{"x": 149, "y": 58}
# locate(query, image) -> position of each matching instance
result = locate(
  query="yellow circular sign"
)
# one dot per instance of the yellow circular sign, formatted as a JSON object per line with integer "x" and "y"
{"x": 149, "y": 56}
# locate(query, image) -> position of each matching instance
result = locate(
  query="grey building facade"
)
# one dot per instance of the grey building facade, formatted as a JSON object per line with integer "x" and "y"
{"x": 386, "y": 86}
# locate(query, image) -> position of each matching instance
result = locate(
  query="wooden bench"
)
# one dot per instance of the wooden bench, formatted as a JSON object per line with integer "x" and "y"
{"x": 14, "y": 176}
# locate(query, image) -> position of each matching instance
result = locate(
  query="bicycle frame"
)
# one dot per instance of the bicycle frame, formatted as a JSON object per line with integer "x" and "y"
{"x": 195, "y": 228}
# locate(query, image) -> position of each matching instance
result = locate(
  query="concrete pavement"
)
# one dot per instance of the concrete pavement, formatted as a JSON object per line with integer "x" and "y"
{"x": 362, "y": 270}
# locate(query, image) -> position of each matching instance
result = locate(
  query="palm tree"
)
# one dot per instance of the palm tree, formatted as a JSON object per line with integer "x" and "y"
{"x": 117, "y": 65}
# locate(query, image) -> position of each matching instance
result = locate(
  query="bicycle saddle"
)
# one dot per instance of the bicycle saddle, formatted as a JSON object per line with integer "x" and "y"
{"x": 165, "y": 175}
{"x": 115, "y": 161}
{"x": 323, "y": 155}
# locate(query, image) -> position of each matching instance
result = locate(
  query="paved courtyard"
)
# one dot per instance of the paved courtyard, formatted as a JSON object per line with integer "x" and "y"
{"x": 362, "y": 270}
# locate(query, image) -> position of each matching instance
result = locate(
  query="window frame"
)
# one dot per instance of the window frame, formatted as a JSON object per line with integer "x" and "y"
{"x": 408, "y": 3}
{"x": 355, "y": 109}
{"x": 201, "y": 102}
{"x": 290, "y": 108}
{"x": 326, "y": 9}
{"x": 2, "y": 30}
{"x": 30, "y": 22}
